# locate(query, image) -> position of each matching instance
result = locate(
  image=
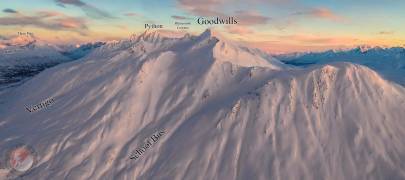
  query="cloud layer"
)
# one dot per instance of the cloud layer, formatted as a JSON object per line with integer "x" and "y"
{"x": 90, "y": 10}
{"x": 322, "y": 13}
{"x": 180, "y": 17}
{"x": 202, "y": 7}
{"x": 8, "y": 10}
{"x": 49, "y": 20}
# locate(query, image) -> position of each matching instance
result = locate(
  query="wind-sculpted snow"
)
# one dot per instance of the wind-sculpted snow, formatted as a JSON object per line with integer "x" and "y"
{"x": 220, "y": 120}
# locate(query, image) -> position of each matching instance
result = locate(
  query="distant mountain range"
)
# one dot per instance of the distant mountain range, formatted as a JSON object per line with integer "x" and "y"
{"x": 25, "y": 55}
{"x": 389, "y": 62}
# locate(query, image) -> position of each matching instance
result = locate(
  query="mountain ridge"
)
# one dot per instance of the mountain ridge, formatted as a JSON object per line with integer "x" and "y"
{"x": 389, "y": 62}
{"x": 151, "y": 40}
{"x": 221, "y": 120}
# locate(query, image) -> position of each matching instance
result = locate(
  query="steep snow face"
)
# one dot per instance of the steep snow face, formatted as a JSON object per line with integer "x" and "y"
{"x": 246, "y": 57}
{"x": 220, "y": 120}
{"x": 227, "y": 51}
{"x": 230, "y": 52}
{"x": 390, "y": 62}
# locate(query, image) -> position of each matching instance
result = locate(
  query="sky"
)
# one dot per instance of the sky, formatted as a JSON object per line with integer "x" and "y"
{"x": 276, "y": 26}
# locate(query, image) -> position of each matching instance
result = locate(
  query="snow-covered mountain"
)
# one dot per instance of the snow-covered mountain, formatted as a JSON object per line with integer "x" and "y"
{"x": 221, "y": 112}
{"x": 25, "y": 50}
{"x": 80, "y": 51}
{"x": 390, "y": 62}
{"x": 226, "y": 51}
{"x": 24, "y": 56}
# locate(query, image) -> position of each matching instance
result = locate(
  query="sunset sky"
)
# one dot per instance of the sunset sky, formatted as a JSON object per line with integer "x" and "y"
{"x": 273, "y": 25}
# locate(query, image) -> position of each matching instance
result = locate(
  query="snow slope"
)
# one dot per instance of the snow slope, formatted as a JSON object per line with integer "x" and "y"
{"x": 80, "y": 51}
{"x": 390, "y": 62}
{"x": 221, "y": 120}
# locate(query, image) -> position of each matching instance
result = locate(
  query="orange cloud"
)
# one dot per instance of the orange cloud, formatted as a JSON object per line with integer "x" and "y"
{"x": 240, "y": 30}
{"x": 202, "y": 7}
{"x": 316, "y": 39}
{"x": 303, "y": 42}
{"x": 90, "y": 10}
{"x": 279, "y": 47}
{"x": 132, "y": 14}
{"x": 215, "y": 8}
{"x": 326, "y": 14}
{"x": 251, "y": 18}
{"x": 322, "y": 13}
{"x": 71, "y": 23}
{"x": 49, "y": 20}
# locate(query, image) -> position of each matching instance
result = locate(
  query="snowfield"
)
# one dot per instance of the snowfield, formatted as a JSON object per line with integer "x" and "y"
{"x": 228, "y": 112}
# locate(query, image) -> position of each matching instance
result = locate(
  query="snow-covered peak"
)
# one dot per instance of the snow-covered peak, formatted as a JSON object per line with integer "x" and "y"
{"x": 389, "y": 61}
{"x": 233, "y": 52}
{"x": 206, "y": 34}
{"x": 27, "y": 50}
{"x": 222, "y": 49}
{"x": 21, "y": 40}
{"x": 187, "y": 36}
{"x": 133, "y": 37}
{"x": 236, "y": 54}
{"x": 210, "y": 34}
{"x": 151, "y": 36}
{"x": 81, "y": 50}
{"x": 364, "y": 48}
